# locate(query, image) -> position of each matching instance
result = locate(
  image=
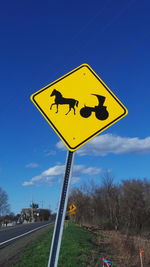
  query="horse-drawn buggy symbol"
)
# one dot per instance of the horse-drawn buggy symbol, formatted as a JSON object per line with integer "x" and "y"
{"x": 100, "y": 111}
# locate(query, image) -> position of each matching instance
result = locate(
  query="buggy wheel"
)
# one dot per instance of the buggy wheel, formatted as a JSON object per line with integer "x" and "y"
{"x": 101, "y": 114}
{"x": 85, "y": 112}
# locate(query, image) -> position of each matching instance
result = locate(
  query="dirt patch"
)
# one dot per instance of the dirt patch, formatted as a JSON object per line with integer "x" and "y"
{"x": 11, "y": 254}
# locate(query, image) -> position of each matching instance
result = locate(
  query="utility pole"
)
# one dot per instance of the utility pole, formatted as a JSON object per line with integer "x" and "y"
{"x": 32, "y": 217}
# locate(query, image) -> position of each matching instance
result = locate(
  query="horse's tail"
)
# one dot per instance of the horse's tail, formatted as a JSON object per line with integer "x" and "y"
{"x": 77, "y": 102}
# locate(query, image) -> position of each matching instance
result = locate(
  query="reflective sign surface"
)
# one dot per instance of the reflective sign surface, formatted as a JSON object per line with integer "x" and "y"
{"x": 78, "y": 106}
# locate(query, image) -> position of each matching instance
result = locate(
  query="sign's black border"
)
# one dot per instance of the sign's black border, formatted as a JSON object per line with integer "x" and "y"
{"x": 96, "y": 133}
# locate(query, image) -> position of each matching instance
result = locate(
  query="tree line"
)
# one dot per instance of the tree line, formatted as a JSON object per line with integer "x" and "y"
{"x": 123, "y": 206}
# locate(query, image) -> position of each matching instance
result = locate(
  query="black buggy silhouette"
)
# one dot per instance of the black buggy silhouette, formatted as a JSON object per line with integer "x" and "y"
{"x": 100, "y": 111}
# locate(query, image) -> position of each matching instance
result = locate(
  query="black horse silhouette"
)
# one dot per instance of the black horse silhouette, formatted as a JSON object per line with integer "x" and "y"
{"x": 60, "y": 100}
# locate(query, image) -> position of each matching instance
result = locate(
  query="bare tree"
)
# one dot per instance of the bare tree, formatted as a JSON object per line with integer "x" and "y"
{"x": 83, "y": 204}
{"x": 146, "y": 197}
{"x": 133, "y": 209}
{"x": 4, "y": 206}
{"x": 106, "y": 201}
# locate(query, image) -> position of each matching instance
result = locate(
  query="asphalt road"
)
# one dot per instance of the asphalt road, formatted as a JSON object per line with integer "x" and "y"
{"x": 8, "y": 235}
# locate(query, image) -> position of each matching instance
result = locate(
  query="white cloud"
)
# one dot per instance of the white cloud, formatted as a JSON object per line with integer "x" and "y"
{"x": 75, "y": 180}
{"x": 50, "y": 175}
{"x": 56, "y": 170}
{"x": 50, "y": 153}
{"x": 91, "y": 170}
{"x": 36, "y": 178}
{"x": 32, "y": 165}
{"x": 60, "y": 145}
{"x": 27, "y": 183}
{"x": 108, "y": 143}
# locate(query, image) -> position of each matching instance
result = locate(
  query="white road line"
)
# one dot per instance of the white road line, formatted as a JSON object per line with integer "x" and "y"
{"x": 16, "y": 237}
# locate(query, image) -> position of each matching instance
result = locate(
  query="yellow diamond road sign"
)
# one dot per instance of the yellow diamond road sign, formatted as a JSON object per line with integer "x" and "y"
{"x": 72, "y": 208}
{"x": 79, "y": 106}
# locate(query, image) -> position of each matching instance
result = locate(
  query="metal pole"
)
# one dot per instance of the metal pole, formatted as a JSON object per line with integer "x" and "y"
{"x": 58, "y": 229}
{"x": 141, "y": 260}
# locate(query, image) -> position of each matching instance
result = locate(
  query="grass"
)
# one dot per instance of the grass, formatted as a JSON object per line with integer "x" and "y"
{"x": 76, "y": 249}
{"x": 81, "y": 248}
{"x": 37, "y": 253}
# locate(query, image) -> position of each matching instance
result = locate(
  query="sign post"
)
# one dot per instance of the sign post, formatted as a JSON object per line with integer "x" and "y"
{"x": 58, "y": 229}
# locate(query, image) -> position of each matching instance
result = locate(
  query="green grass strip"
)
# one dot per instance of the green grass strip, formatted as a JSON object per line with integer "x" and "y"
{"x": 75, "y": 249}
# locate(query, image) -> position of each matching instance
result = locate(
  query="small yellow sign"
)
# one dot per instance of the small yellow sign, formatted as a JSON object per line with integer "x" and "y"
{"x": 72, "y": 208}
{"x": 78, "y": 106}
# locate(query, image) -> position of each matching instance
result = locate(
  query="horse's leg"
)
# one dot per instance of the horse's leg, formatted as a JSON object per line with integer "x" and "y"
{"x": 74, "y": 110}
{"x": 52, "y": 105}
{"x": 72, "y": 106}
{"x": 57, "y": 108}
{"x": 68, "y": 110}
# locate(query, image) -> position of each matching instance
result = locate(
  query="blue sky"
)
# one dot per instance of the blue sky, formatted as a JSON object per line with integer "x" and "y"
{"x": 40, "y": 42}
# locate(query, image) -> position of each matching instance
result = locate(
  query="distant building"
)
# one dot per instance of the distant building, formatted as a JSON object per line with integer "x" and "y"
{"x": 35, "y": 215}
